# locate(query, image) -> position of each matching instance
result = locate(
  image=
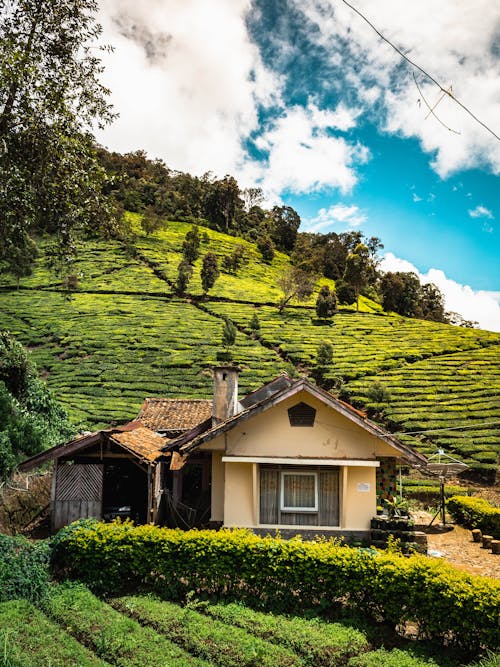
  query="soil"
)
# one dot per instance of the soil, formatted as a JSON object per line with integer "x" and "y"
{"x": 455, "y": 545}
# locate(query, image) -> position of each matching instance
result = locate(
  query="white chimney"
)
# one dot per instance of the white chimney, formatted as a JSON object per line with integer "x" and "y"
{"x": 225, "y": 401}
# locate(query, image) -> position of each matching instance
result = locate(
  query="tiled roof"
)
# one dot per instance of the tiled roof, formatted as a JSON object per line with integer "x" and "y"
{"x": 142, "y": 442}
{"x": 174, "y": 415}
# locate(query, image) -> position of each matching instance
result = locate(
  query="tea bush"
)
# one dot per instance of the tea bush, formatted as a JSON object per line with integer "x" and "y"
{"x": 29, "y": 639}
{"x": 278, "y": 575}
{"x": 24, "y": 569}
{"x": 475, "y": 513}
{"x": 207, "y": 638}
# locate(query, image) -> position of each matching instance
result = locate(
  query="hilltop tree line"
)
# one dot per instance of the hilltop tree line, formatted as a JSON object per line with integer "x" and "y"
{"x": 55, "y": 180}
{"x": 151, "y": 188}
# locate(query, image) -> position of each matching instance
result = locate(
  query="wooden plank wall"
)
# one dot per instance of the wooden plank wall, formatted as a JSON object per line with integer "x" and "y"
{"x": 77, "y": 493}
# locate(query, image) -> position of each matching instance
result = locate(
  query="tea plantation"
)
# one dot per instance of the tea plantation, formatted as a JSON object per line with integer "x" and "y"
{"x": 121, "y": 334}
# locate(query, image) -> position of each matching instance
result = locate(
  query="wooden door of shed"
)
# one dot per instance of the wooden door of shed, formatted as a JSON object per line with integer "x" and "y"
{"x": 77, "y": 493}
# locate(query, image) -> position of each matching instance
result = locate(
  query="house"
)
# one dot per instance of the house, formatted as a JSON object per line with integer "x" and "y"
{"x": 287, "y": 456}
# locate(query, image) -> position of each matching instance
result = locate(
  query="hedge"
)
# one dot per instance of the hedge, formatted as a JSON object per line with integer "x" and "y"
{"x": 475, "y": 513}
{"x": 210, "y": 639}
{"x": 278, "y": 575}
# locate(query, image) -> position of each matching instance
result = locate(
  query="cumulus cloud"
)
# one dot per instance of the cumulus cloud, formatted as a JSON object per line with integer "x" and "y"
{"x": 457, "y": 45}
{"x": 481, "y": 212}
{"x": 302, "y": 154}
{"x": 186, "y": 80}
{"x": 477, "y": 305}
{"x": 338, "y": 213}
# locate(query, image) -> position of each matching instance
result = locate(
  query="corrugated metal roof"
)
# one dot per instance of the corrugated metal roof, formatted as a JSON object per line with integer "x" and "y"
{"x": 142, "y": 442}
{"x": 174, "y": 415}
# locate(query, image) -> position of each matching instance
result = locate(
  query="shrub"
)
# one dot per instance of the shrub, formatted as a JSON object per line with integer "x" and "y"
{"x": 275, "y": 574}
{"x": 318, "y": 642}
{"x": 112, "y": 636}
{"x": 394, "y": 658}
{"x": 24, "y": 569}
{"x": 475, "y": 513}
{"x": 29, "y": 639}
{"x": 208, "y": 638}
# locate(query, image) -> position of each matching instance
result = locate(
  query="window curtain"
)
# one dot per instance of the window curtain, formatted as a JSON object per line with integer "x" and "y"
{"x": 269, "y": 495}
{"x": 299, "y": 490}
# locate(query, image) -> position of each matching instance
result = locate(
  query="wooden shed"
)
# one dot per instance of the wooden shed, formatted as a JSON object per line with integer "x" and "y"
{"x": 106, "y": 474}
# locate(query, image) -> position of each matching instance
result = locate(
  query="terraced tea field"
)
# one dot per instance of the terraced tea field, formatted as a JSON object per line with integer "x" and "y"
{"x": 123, "y": 335}
{"x": 77, "y": 629}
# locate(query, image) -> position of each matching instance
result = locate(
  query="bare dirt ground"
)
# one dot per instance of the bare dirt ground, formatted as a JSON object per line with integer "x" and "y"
{"x": 457, "y": 547}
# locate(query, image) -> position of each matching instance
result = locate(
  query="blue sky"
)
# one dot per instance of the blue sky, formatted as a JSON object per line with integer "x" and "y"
{"x": 302, "y": 98}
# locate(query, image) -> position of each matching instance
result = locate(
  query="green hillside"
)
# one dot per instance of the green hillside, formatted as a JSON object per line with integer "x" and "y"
{"x": 123, "y": 335}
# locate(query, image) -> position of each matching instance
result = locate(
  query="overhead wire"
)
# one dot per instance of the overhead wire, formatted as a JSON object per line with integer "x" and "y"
{"x": 421, "y": 69}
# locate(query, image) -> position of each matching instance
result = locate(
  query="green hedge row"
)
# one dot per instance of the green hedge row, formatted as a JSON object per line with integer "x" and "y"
{"x": 111, "y": 636}
{"x": 29, "y": 639}
{"x": 210, "y": 639}
{"x": 278, "y": 575}
{"x": 475, "y": 513}
{"x": 319, "y": 643}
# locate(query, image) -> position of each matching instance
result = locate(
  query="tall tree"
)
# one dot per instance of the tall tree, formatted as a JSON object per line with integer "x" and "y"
{"x": 286, "y": 223}
{"x": 295, "y": 284}
{"x": 50, "y": 100}
{"x": 191, "y": 245}
{"x": 400, "y": 292}
{"x": 358, "y": 269}
{"x": 209, "y": 271}
{"x": 326, "y": 303}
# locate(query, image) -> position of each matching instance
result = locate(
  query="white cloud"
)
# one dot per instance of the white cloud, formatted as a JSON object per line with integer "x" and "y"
{"x": 303, "y": 156}
{"x": 456, "y": 42}
{"x": 480, "y": 306}
{"x": 416, "y": 198}
{"x": 186, "y": 80}
{"x": 338, "y": 213}
{"x": 481, "y": 212}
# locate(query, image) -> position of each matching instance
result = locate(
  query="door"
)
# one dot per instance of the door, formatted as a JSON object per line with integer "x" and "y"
{"x": 77, "y": 494}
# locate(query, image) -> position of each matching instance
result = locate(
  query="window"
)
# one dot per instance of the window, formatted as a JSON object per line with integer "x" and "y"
{"x": 299, "y": 492}
{"x": 301, "y": 415}
{"x": 299, "y": 496}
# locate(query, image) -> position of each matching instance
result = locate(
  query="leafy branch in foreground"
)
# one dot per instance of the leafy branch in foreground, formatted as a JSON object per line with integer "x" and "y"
{"x": 50, "y": 101}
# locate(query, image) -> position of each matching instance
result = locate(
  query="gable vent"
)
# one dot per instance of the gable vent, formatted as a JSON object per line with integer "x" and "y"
{"x": 301, "y": 415}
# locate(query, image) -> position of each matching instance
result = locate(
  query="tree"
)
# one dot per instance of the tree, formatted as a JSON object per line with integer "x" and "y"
{"x": 431, "y": 306}
{"x": 326, "y": 303}
{"x": 150, "y": 221}
{"x": 324, "y": 358}
{"x": 295, "y": 284}
{"x": 345, "y": 292}
{"x": 254, "y": 323}
{"x": 358, "y": 270}
{"x": 229, "y": 332}
{"x": 30, "y": 418}
{"x": 266, "y": 248}
{"x": 191, "y": 245}
{"x": 184, "y": 273}
{"x": 400, "y": 292}
{"x": 50, "y": 101}
{"x": 286, "y": 222}
{"x": 223, "y": 202}
{"x": 209, "y": 271}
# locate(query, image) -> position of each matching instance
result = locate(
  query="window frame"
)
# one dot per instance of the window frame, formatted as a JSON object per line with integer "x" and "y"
{"x": 293, "y": 509}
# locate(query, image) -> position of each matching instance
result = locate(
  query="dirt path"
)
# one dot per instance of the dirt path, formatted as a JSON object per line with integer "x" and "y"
{"x": 457, "y": 547}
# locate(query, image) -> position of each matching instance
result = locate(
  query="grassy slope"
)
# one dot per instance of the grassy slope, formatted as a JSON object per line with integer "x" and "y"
{"x": 103, "y": 353}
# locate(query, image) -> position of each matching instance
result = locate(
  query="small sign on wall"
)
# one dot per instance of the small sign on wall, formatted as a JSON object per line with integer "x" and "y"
{"x": 363, "y": 487}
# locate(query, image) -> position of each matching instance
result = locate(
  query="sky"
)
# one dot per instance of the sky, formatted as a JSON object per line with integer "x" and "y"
{"x": 304, "y": 99}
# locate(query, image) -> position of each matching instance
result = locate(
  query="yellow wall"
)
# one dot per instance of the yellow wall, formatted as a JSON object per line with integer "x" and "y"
{"x": 235, "y": 486}
{"x": 358, "y": 506}
{"x": 239, "y": 503}
{"x": 333, "y": 435}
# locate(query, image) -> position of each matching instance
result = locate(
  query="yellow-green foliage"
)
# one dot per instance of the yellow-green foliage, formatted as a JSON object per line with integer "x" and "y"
{"x": 475, "y": 513}
{"x": 207, "y": 638}
{"x": 445, "y": 603}
{"x": 122, "y": 335}
{"x": 29, "y": 639}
